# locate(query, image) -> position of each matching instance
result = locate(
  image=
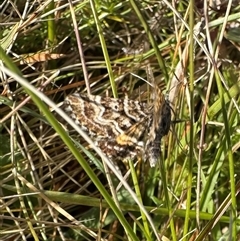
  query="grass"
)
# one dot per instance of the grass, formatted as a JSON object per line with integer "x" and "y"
{"x": 53, "y": 186}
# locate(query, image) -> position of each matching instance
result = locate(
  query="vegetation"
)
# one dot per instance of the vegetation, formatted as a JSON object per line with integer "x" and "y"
{"x": 53, "y": 186}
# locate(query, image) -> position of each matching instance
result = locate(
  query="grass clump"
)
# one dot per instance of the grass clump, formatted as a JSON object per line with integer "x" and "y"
{"x": 53, "y": 186}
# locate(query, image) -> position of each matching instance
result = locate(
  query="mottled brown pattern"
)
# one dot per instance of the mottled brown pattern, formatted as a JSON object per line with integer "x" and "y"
{"x": 123, "y": 128}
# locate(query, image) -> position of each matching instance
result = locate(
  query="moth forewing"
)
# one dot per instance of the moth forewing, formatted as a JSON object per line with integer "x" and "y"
{"x": 123, "y": 128}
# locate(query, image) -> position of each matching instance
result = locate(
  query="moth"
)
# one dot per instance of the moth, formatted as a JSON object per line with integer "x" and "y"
{"x": 123, "y": 128}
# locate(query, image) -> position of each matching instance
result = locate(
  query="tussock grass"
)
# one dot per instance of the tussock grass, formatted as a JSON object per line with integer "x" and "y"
{"x": 53, "y": 186}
